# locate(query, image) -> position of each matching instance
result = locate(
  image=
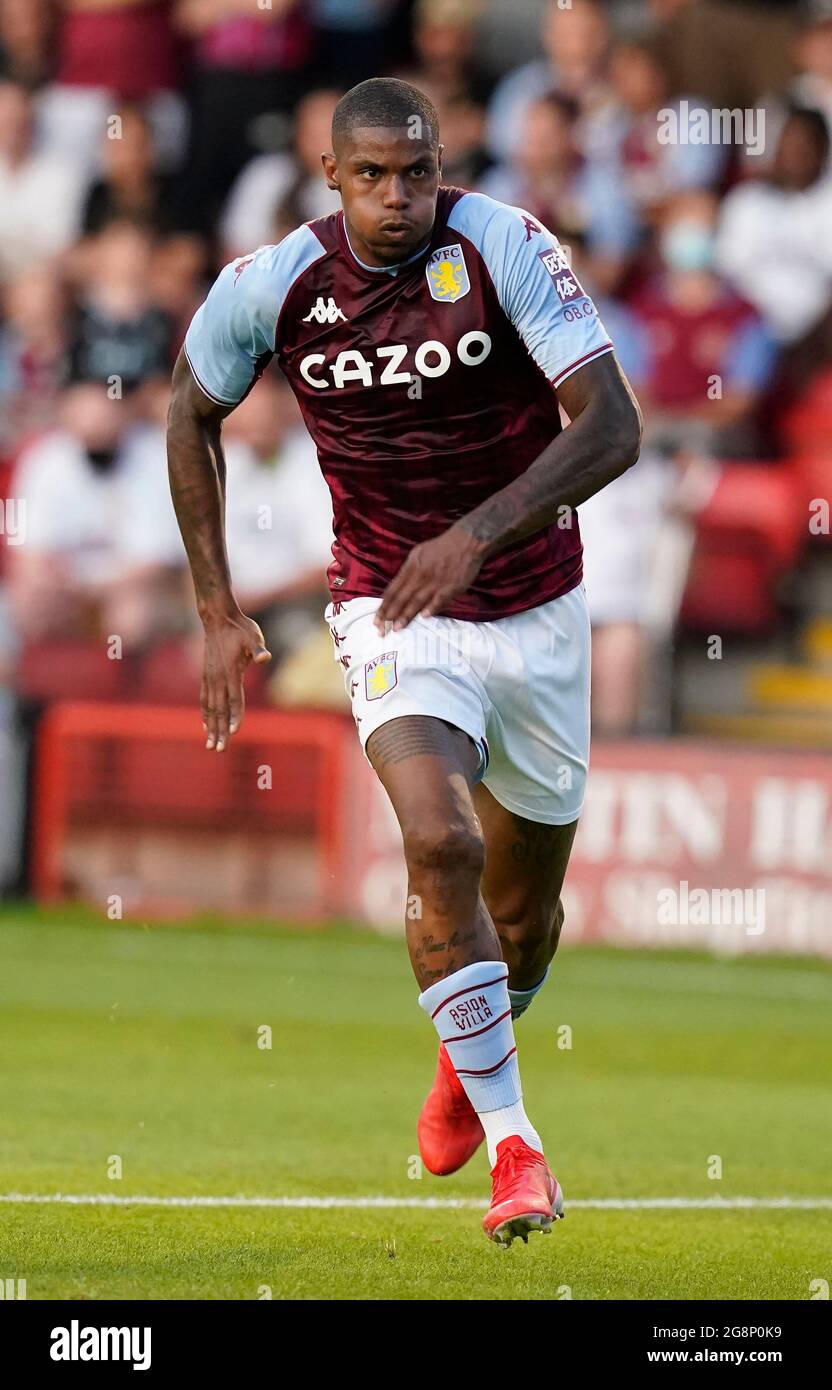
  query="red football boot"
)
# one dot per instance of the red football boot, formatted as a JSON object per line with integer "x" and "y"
{"x": 449, "y": 1129}
{"x": 525, "y": 1196}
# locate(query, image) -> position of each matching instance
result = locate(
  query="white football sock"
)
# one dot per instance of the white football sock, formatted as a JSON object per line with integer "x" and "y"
{"x": 522, "y": 998}
{"x": 471, "y": 1011}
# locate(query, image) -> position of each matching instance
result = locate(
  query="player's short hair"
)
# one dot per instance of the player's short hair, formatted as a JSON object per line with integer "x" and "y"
{"x": 385, "y": 101}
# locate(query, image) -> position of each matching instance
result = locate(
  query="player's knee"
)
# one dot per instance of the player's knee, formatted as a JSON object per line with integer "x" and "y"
{"x": 444, "y": 850}
{"x": 528, "y": 930}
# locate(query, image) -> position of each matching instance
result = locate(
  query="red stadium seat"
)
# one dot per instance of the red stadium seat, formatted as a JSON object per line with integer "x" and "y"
{"x": 748, "y": 535}
{"x": 81, "y": 670}
{"x": 169, "y": 676}
{"x": 807, "y": 425}
{"x": 815, "y": 473}
{"x": 127, "y": 792}
{"x": 49, "y": 671}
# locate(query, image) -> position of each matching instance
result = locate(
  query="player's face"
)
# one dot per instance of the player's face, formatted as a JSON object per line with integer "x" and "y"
{"x": 388, "y": 184}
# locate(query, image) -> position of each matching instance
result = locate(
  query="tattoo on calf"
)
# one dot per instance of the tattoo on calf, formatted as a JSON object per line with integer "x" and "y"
{"x": 429, "y": 977}
{"x": 428, "y": 946}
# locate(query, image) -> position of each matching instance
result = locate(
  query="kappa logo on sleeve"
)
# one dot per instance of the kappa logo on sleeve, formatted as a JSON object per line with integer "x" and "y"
{"x": 239, "y": 266}
{"x": 380, "y": 675}
{"x": 563, "y": 277}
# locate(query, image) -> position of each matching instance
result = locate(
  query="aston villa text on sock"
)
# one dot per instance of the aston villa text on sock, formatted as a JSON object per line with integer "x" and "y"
{"x": 471, "y": 1012}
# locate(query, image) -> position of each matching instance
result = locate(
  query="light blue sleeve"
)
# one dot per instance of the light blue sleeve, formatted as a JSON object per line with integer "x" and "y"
{"x": 537, "y": 290}
{"x": 236, "y": 324}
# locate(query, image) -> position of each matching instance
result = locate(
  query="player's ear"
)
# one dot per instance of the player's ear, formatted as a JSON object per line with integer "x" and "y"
{"x": 330, "y": 167}
{"x": 439, "y": 153}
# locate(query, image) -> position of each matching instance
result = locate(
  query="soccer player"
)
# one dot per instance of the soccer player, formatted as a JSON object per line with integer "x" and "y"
{"x": 429, "y": 335}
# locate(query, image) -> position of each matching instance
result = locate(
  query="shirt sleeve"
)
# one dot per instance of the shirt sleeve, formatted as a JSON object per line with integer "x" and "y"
{"x": 535, "y": 285}
{"x": 232, "y": 335}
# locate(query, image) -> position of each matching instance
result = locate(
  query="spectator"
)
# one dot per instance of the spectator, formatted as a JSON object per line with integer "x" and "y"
{"x": 273, "y": 181}
{"x": 251, "y": 65}
{"x": 619, "y": 529}
{"x": 40, "y": 194}
{"x": 102, "y": 554}
{"x": 444, "y": 40}
{"x": 576, "y": 45}
{"x": 33, "y": 355}
{"x": 110, "y": 51}
{"x": 130, "y": 187}
{"x": 279, "y": 516}
{"x": 25, "y": 34}
{"x": 654, "y": 171}
{"x": 774, "y": 244}
{"x": 708, "y": 357}
{"x": 121, "y": 337}
{"x": 465, "y": 158}
{"x": 355, "y": 39}
{"x": 812, "y": 86}
{"x": 575, "y": 197}
{"x": 179, "y": 270}
{"x": 730, "y": 52}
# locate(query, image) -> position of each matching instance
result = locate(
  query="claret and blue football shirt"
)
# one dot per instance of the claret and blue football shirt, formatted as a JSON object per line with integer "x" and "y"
{"x": 426, "y": 386}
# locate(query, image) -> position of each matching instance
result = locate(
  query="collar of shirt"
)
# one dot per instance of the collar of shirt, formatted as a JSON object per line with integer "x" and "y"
{"x": 381, "y": 269}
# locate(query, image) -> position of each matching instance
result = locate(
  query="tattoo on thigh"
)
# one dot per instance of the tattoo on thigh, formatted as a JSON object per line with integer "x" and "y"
{"x": 406, "y": 737}
{"x": 537, "y": 844}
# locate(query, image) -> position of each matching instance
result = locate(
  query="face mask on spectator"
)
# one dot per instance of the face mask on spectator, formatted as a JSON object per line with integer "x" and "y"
{"x": 101, "y": 460}
{"x": 687, "y": 246}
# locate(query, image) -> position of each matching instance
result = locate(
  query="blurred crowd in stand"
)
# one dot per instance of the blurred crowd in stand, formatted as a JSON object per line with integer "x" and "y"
{"x": 143, "y": 143}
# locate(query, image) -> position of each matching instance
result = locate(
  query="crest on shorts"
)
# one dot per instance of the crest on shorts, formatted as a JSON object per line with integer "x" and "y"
{"x": 380, "y": 675}
{"x": 447, "y": 274}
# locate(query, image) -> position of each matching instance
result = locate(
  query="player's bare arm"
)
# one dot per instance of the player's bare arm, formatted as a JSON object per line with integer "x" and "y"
{"x": 601, "y": 443}
{"x": 196, "y": 468}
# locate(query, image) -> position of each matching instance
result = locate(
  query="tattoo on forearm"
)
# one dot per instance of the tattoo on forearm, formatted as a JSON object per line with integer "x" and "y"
{"x": 599, "y": 444}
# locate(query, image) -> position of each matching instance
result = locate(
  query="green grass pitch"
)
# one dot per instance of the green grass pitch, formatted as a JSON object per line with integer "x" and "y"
{"x": 141, "y": 1042}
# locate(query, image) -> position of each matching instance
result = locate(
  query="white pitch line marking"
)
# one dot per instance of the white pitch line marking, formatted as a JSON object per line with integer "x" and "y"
{"x": 105, "y": 1199}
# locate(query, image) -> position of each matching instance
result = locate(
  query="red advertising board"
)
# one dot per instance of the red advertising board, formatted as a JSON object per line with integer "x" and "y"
{"x": 680, "y": 844}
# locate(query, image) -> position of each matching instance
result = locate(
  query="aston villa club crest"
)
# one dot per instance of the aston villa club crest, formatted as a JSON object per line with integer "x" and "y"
{"x": 447, "y": 274}
{"x": 380, "y": 675}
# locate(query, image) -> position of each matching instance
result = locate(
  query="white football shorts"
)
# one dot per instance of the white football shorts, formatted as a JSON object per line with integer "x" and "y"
{"x": 519, "y": 686}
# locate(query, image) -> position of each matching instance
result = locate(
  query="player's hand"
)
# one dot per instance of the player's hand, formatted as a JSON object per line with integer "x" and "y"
{"x": 433, "y": 574}
{"x": 230, "y": 644}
